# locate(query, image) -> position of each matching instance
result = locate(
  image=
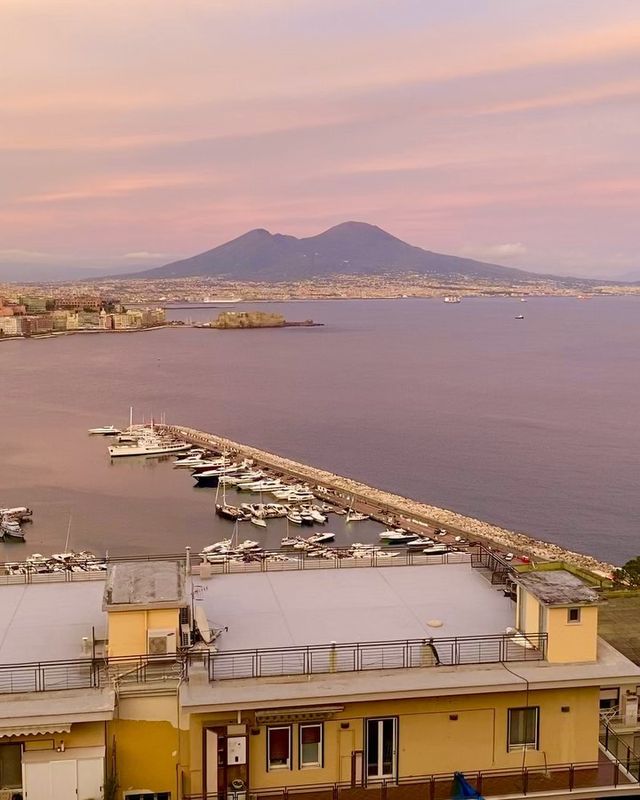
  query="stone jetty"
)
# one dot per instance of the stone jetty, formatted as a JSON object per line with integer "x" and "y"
{"x": 387, "y": 503}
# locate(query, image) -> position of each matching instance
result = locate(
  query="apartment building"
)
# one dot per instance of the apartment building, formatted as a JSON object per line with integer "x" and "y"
{"x": 272, "y": 679}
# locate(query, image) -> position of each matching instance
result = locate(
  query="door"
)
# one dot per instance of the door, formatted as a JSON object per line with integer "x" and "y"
{"x": 64, "y": 779}
{"x": 37, "y": 781}
{"x": 90, "y": 778}
{"x": 381, "y": 748}
{"x": 211, "y": 744}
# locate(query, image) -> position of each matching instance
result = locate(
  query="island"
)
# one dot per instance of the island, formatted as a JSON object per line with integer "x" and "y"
{"x": 236, "y": 320}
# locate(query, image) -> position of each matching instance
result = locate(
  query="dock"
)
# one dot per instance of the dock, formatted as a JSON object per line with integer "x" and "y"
{"x": 394, "y": 509}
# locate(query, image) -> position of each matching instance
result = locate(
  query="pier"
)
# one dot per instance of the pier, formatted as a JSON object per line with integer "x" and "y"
{"x": 393, "y": 509}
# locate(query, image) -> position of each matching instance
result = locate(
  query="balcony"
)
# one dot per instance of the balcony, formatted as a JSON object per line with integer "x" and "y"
{"x": 606, "y": 775}
{"x": 362, "y": 656}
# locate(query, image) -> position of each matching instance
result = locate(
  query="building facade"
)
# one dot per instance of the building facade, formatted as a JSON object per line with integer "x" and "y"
{"x": 167, "y": 680}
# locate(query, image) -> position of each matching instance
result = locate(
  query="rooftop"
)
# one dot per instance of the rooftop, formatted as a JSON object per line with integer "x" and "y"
{"x": 284, "y": 609}
{"x": 145, "y": 584}
{"x": 557, "y": 587}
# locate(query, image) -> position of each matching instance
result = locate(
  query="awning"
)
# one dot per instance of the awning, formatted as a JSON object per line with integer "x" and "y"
{"x": 312, "y": 713}
{"x": 36, "y": 730}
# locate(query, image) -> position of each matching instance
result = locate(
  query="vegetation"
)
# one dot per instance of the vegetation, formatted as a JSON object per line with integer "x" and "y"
{"x": 629, "y": 574}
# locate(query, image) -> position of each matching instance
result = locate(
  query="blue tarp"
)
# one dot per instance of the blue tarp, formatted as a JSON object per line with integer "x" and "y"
{"x": 463, "y": 789}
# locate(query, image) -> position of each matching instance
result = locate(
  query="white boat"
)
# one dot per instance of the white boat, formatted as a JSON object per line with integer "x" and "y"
{"x": 317, "y": 516}
{"x": 356, "y": 516}
{"x": 148, "y": 447}
{"x": 397, "y": 537}
{"x": 19, "y": 513}
{"x": 453, "y": 298}
{"x": 258, "y": 521}
{"x": 294, "y": 517}
{"x": 105, "y": 430}
{"x": 193, "y": 459}
{"x": 288, "y": 541}
{"x": 10, "y": 529}
{"x": 437, "y": 550}
{"x": 421, "y": 541}
{"x": 320, "y": 538}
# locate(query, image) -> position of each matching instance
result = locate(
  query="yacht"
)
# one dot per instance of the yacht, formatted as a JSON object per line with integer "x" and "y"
{"x": 10, "y": 529}
{"x": 192, "y": 459}
{"x": 294, "y": 517}
{"x": 453, "y": 298}
{"x": 106, "y": 430}
{"x": 397, "y": 537}
{"x": 520, "y": 316}
{"x": 148, "y": 446}
{"x": 19, "y": 513}
{"x": 320, "y": 538}
{"x": 258, "y": 521}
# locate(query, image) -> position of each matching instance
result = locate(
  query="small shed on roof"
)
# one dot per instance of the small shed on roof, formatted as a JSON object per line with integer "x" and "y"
{"x": 145, "y": 585}
{"x": 557, "y": 587}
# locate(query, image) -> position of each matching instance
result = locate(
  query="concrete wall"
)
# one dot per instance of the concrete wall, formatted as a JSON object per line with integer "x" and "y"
{"x": 572, "y": 641}
{"x": 128, "y": 629}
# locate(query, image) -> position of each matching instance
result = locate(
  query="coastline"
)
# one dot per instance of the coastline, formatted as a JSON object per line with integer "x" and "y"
{"x": 454, "y": 522}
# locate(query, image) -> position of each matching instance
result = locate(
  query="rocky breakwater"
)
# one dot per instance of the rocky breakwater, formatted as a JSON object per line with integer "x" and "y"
{"x": 388, "y": 502}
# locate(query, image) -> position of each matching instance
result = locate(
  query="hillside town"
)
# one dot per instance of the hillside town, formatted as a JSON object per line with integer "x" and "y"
{"x": 28, "y": 315}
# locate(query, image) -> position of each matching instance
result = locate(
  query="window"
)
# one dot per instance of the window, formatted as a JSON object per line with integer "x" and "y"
{"x": 523, "y": 728}
{"x": 311, "y": 745}
{"x": 10, "y": 766}
{"x": 573, "y": 615}
{"x": 279, "y": 748}
{"x": 609, "y": 698}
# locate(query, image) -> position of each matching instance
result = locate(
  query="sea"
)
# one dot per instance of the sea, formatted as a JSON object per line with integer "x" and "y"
{"x": 531, "y": 424}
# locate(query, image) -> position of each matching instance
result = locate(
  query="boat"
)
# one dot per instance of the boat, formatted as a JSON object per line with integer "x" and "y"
{"x": 105, "y": 430}
{"x": 258, "y": 521}
{"x": 288, "y": 541}
{"x": 306, "y": 518}
{"x": 148, "y": 445}
{"x": 11, "y": 530}
{"x": 193, "y": 459}
{"x": 294, "y": 517}
{"x": 229, "y": 512}
{"x": 320, "y": 538}
{"x": 317, "y": 516}
{"x": 520, "y": 316}
{"x": 355, "y": 516}
{"x": 19, "y": 513}
{"x": 398, "y": 536}
{"x": 437, "y": 550}
{"x": 453, "y": 298}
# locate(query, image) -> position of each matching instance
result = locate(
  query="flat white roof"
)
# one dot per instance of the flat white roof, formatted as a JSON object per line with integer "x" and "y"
{"x": 283, "y": 609}
{"x": 47, "y": 621}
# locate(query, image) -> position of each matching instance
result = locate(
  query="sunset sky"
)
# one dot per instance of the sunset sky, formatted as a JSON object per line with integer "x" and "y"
{"x": 136, "y": 132}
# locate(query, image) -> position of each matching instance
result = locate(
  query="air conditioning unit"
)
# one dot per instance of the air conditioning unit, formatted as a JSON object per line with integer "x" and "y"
{"x": 161, "y": 642}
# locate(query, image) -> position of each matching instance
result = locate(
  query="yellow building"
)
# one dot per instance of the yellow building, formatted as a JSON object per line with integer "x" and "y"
{"x": 274, "y": 678}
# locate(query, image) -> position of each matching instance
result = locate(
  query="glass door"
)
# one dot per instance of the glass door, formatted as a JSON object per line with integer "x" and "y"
{"x": 381, "y": 748}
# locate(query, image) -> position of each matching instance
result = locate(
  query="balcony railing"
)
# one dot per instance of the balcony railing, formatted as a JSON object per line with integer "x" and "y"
{"x": 362, "y": 656}
{"x": 554, "y": 778}
{"x": 93, "y": 673}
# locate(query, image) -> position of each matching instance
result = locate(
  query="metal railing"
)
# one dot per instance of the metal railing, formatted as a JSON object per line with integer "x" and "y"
{"x": 46, "y": 676}
{"x": 621, "y": 751}
{"x": 362, "y": 656}
{"x": 89, "y": 673}
{"x": 556, "y": 778}
{"x": 93, "y": 673}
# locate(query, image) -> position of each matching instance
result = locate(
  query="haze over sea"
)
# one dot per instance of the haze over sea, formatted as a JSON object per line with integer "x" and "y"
{"x": 530, "y": 424}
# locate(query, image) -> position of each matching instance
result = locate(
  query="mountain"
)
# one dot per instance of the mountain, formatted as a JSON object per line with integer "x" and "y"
{"x": 353, "y": 248}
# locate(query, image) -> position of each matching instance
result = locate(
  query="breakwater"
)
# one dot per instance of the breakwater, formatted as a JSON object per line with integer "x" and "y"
{"x": 396, "y": 509}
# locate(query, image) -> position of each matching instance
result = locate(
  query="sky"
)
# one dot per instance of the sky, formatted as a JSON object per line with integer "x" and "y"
{"x": 134, "y": 132}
